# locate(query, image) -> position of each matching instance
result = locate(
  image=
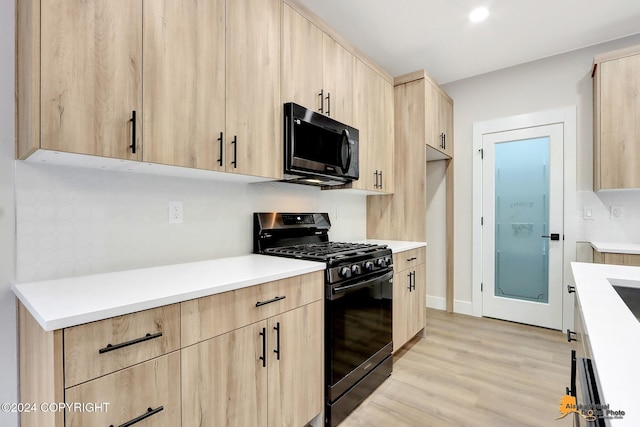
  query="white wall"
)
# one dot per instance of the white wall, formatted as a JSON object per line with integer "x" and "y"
{"x": 555, "y": 82}
{"x": 8, "y": 356}
{"x": 74, "y": 221}
{"x": 436, "y": 235}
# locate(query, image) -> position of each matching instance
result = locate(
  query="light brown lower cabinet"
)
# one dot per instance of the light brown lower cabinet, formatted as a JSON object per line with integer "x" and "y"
{"x": 146, "y": 392}
{"x": 266, "y": 374}
{"x": 614, "y": 258}
{"x": 409, "y": 295}
{"x": 168, "y": 366}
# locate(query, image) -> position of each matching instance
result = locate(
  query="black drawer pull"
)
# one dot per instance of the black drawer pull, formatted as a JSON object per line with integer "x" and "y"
{"x": 412, "y": 259}
{"x": 221, "y": 141}
{"x": 261, "y": 303}
{"x": 571, "y": 289}
{"x": 147, "y": 414}
{"x": 111, "y": 347}
{"x": 569, "y": 337}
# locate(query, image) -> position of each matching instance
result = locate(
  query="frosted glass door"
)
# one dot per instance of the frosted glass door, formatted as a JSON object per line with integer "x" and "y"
{"x": 522, "y": 202}
{"x": 521, "y": 219}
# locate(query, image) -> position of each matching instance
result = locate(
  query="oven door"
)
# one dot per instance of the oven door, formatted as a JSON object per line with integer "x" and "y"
{"x": 358, "y": 330}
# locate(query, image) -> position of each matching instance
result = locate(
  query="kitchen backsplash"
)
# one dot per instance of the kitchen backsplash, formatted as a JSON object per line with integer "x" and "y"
{"x": 76, "y": 221}
{"x": 603, "y": 227}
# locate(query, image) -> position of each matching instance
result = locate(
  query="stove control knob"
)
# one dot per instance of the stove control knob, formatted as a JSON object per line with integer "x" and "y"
{"x": 345, "y": 272}
{"x": 356, "y": 269}
{"x": 381, "y": 262}
{"x": 368, "y": 266}
{"x": 388, "y": 260}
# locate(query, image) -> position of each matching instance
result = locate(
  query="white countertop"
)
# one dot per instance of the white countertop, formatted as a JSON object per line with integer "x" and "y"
{"x": 616, "y": 248}
{"x": 396, "y": 245}
{"x": 62, "y": 303}
{"x": 614, "y": 335}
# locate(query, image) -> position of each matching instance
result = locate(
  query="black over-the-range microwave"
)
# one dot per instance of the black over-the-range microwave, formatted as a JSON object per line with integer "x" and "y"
{"x": 318, "y": 150}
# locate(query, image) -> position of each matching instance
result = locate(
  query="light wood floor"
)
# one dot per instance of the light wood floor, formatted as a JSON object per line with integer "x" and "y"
{"x": 470, "y": 371}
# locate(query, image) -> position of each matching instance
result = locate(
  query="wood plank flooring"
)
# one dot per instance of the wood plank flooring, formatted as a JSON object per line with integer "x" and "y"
{"x": 470, "y": 371}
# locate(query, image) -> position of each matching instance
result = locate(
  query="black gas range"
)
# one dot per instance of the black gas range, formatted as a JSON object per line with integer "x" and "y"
{"x": 358, "y": 303}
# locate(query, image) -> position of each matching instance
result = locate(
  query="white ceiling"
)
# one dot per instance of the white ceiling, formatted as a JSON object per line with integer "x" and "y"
{"x": 408, "y": 35}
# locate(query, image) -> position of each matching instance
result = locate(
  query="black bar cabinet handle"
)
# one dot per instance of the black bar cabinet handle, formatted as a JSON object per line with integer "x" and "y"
{"x": 263, "y": 334}
{"x": 409, "y": 276}
{"x": 321, "y": 95}
{"x": 328, "y": 103}
{"x": 133, "y": 132}
{"x": 277, "y": 350}
{"x": 150, "y": 412}
{"x": 412, "y": 259}
{"x": 261, "y": 303}
{"x": 380, "y": 179}
{"x": 111, "y": 347}
{"x": 413, "y": 281}
{"x": 221, "y": 141}
{"x": 572, "y": 391}
{"x": 442, "y": 140}
{"x": 376, "y": 175}
{"x": 569, "y": 337}
{"x": 235, "y": 151}
{"x": 571, "y": 289}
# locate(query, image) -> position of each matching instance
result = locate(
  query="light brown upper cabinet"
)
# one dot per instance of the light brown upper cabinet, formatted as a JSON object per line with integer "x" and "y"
{"x": 184, "y": 84}
{"x": 439, "y": 113}
{"x": 211, "y": 94}
{"x": 79, "y": 77}
{"x": 616, "y": 129}
{"x": 317, "y": 72}
{"x": 254, "y": 109}
{"x": 373, "y": 117}
{"x": 206, "y": 109}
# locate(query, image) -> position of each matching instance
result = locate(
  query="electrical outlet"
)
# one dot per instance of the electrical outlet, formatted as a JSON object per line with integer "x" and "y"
{"x": 616, "y": 212}
{"x": 175, "y": 212}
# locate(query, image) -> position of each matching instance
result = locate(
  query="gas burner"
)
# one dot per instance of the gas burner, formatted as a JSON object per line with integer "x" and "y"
{"x": 323, "y": 251}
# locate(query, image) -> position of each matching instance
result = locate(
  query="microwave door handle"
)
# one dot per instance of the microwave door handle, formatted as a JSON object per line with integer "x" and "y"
{"x": 346, "y": 137}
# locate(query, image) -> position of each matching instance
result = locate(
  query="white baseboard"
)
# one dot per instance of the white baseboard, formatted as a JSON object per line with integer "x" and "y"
{"x": 440, "y": 303}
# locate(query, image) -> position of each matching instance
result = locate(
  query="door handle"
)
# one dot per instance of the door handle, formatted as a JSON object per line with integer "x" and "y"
{"x": 553, "y": 236}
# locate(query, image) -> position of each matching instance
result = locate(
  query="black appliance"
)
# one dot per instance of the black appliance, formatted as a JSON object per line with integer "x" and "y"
{"x": 358, "y": 303}
{"x": 585, "y": 387}
{"x": 318, "y": 150}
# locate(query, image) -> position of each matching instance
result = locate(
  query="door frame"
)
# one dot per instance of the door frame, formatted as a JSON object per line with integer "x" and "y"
{"x": 567, "y": 117}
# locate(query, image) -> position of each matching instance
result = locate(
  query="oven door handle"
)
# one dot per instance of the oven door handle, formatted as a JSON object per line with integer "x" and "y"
{"x": 339, "y": 291}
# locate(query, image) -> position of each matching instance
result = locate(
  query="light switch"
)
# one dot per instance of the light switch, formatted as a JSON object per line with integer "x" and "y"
{"x": 587, "y": 213}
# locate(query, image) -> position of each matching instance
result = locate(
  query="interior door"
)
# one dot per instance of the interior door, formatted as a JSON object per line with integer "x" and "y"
{"x": 523, "y": 225}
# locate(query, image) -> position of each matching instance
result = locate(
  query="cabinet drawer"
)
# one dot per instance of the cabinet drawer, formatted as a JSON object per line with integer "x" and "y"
{"x": 207, "y": 317}
{"x": 409, "y": 259}
{"x": 98, "y": 348}
{"x": 149, "y": 389}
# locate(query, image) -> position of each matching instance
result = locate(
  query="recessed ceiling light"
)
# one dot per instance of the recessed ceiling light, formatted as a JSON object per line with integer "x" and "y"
{"x": 479, "y": 14}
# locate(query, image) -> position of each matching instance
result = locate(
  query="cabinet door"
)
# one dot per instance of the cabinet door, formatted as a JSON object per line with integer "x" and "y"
{"x": 254, "y": 118}
{"x": 301, "y": 60}
{"x": 91, "y": 77}
{"x": 364, "y": 86}
{"x": 445, "y": 113}
{"x": 619, "y": 126}
{"x": 409, "y": 304}
{"x": 149, "y": 389}
{"x": 384, "y": 153}
{"x": 337, "y": 71}
{"x": 224, "y": 382}
{"x": 402, "y": 309}
{"x": 295, "y": 366}
{"x": 184, "y": 83}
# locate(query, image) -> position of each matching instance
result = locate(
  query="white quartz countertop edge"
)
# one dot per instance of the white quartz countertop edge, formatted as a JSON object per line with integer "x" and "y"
{"x": 397, "y": 245}
{"x": 614, "y": 335}
{"x": 63, "y": 303}
{"x": 616, "y": 248}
